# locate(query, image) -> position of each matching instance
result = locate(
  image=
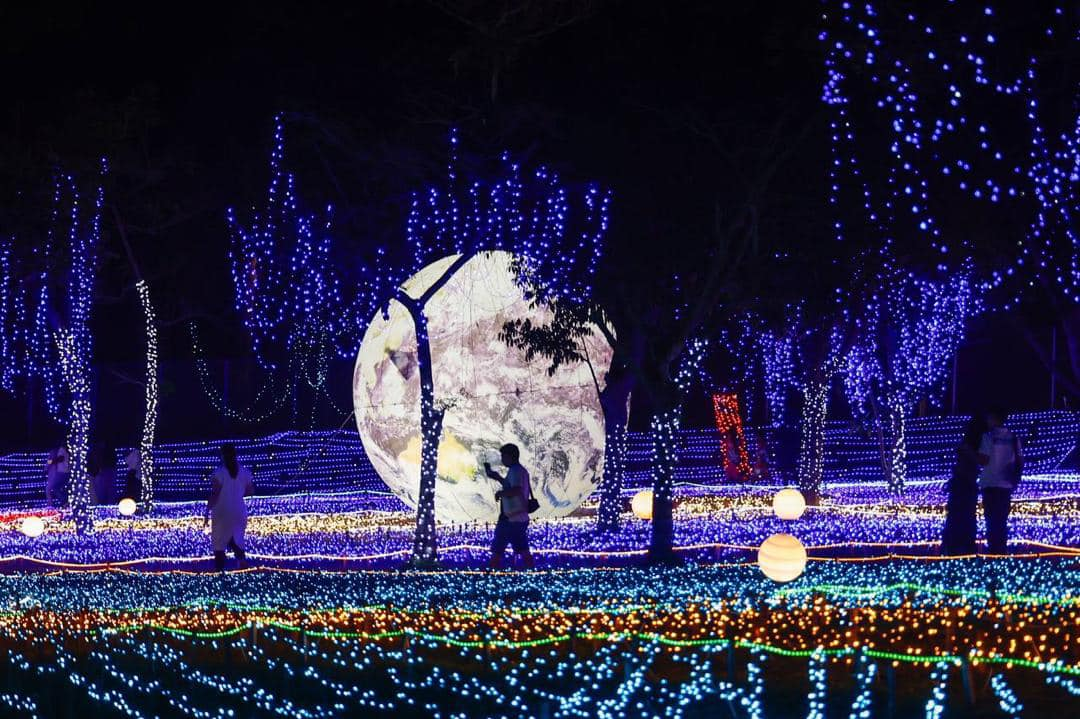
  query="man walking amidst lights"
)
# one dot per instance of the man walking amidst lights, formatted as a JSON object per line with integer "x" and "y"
{"x": 1002, "y": 460}
{"x": 514, "y": 499}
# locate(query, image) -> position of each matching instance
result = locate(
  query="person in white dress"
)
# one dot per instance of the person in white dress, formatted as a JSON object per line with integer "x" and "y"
{"x": 227, "y": 509}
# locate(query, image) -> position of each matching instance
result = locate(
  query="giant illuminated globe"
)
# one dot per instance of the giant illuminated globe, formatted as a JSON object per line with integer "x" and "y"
{"x": 491, "y": 395}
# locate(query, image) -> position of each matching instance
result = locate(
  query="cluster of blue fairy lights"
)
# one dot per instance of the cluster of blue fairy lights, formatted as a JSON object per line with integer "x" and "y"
{"x": 904, "y": 144}
{"x": 935, "y": 97}
{"x": 288, "y": 288}
{"x": 51, "y": 287}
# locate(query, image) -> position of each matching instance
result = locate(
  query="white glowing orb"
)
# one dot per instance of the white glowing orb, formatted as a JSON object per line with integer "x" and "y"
{"x": 32, "y": 527}
{"x": 789, "y": 504}
{"x": 127, "y": 506}
{"x": 492, "y": 396}
{"x": 782, "y": 557}
{"x": 641, "y": 504}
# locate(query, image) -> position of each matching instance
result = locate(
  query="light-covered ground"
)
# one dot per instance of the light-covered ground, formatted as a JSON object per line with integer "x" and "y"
{"x": 130, "y": 621}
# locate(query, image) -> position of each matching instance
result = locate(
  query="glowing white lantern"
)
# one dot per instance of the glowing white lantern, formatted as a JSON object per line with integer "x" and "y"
{"x": 789, "y": 504}
{"x": 32, "y": 527}
{"x": 641, "y": 504}
{"x": 494, "y": 396}
{"x": 127, "y": 506}
{"x": 782, "y": 557}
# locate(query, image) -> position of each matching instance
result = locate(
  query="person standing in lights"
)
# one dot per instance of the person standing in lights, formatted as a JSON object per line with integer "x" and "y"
{"x": 101, "y": 475}
{"x": 958, "y": 537}
{"x": 227, "y": 509}
{"x": 730, "y": 448}
{"x": 1002, "y": 462}
{"x": 56, "y": 477}
{"x": 761, "y": 457}
{"x": 133, "y": 476}
{"x": 513, "y": 499}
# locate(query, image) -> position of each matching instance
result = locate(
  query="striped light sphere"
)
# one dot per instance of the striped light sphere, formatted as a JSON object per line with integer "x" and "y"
{"x": 789, "y": 504}
{"x": 782, "y": 557}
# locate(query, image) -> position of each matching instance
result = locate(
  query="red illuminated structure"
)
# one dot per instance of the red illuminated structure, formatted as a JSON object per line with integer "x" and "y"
{"x": 736, "y": 462}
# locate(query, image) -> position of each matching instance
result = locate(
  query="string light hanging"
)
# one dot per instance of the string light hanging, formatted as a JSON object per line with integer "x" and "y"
{"x": 927, "y": 108}
{"x": 286, "y": 286}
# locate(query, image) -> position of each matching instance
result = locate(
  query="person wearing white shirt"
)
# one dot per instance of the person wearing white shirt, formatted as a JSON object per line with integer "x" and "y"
{"x": 513, "y": 498}
{"x": 1001, "y": 458}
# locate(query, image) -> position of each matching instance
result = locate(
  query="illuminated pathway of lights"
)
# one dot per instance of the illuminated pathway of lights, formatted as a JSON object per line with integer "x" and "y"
{"x": 724, "y": 524}
{"x": 129, "y": 622}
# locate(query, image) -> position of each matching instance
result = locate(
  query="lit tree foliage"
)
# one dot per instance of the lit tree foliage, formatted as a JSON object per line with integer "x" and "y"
{"x": 908, "y": 333}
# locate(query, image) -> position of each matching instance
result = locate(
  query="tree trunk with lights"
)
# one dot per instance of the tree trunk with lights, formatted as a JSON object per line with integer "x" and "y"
{"x": 894, "y": 423}
{"x": 76, "y": 372}
{"x": 812, "y": 448}
{"x": 146, "y": 441}
{"x": 607, "y": 514}
{"x": 149, "y": 427}
{"x": 425, "y": 544}
{"x": 663, "y": 430}
{"x": 888, "y": 416}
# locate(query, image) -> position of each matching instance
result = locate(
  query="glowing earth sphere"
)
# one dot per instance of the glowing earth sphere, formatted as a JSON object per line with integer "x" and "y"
{"x": 32, "y": 527}
{"x": 492, "y": 396}
{"x": 127, "y": 506}
{"x": 782, "y": 557}
{"x": 641, "y": 504}
{"x": 789, "y": 504}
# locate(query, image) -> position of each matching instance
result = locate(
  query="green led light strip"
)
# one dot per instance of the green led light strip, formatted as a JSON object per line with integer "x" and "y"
{"x": 1050, "y": 667}
{"x": 848, "y": 590}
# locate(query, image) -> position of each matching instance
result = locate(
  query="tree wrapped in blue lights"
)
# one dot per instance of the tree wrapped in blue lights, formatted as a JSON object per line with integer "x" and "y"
{"x": 287, "y": 287}
{"x": 763, "y": 359}
{"x": 913, "y": 166}
{"x": 795, "y": 360}
{"x": 48, "y": 342}
{"x": 908, "y": 333}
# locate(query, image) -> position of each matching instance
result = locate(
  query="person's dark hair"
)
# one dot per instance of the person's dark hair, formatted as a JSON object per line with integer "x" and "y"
{"x": 974, "y": 430}
{"x": 1001, "y": 413}
{"x": 511, "y": 451}
{"x": 228, "y": 458}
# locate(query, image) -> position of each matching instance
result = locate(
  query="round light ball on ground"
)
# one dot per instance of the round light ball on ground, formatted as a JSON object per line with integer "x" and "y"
{"x": 127, "y": 506}
{"x": 641, "y": 504}
{"x": 32, "y": 527}
{"x": 782, "y": 557}
{"x": 789, "y": 504}
{"x": 492, "y": 396}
